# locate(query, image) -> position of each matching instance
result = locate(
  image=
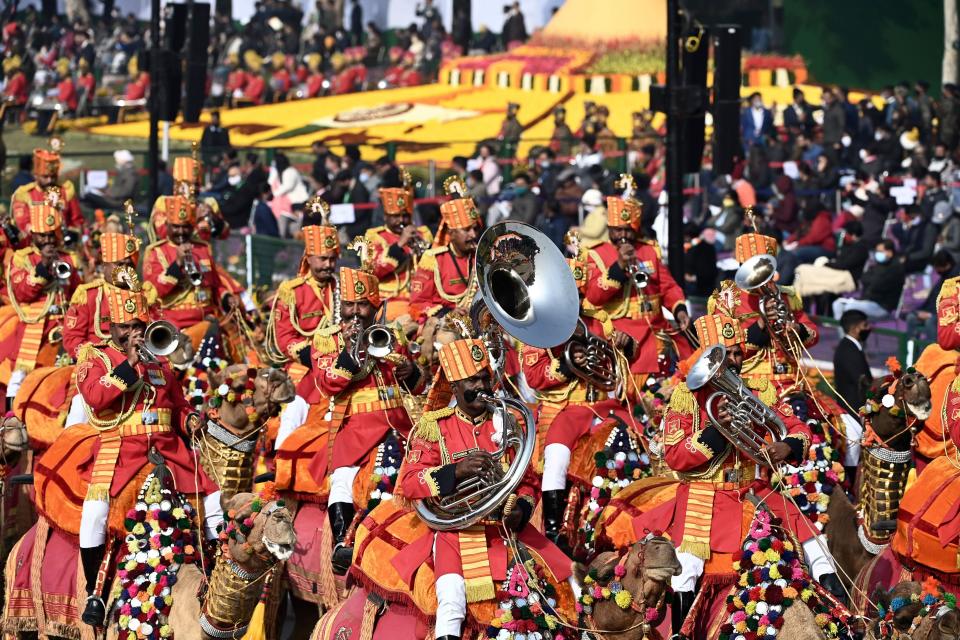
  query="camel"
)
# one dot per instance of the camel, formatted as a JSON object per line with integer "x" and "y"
{"x": 883, "y": 478}
{"x": 230, "y": 599}
{"x": 649, "y": 565}
{"x": 228, "y": 445}
{"x": 912, "y": 620}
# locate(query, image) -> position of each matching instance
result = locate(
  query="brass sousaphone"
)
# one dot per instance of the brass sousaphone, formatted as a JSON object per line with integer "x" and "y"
{"x": 529, "y": 290}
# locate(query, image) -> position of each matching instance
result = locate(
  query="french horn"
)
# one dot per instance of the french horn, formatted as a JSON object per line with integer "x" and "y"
{"x": 711, "y": 371}
{"x": 528, "y": 289}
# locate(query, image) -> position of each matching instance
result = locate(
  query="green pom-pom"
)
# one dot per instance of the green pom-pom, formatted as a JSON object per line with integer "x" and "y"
{"x": 600, "y": 458}
{"x": 763, "y": 543}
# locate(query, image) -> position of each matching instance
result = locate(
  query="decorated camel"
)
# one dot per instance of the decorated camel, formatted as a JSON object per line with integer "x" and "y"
{"x": 914, "y": 610}
{"x": 896, "y": 407}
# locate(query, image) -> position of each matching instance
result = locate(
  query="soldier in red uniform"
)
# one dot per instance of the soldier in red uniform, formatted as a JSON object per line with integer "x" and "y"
{"x": 66, "y": 88}
{"x": 138, "y": 87}
{"x": 394, "y": 73}
{"x": 715, "y": 476}
{"x": 40, "y": 281}
{"x": 397, "y": 246}
{"x": 444, "y": 277}
{"x": 449, "y": 445}
{"x": 636, "y": 311}
{"x": 185, "y": 276}
{"x": 135, "y": 406}
{"x": 314, "y": 80}
{"x": 17, "y": 89}
{"x": 362, "y": 400}
{"x": 280, "y": 80}
{"x": 47, "y": 188}
{"x": 86, "y": 81}
{"x": 410, "y": 77}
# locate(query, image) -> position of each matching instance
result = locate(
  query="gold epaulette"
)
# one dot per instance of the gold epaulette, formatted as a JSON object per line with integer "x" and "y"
{"x": 429, "y": 258}
{"x": 683, "y": 401}
{"x": 89, "y": 351}
{"x": 80, "y": 293}
{"x": 428, "y": 427}
{"x": 765, "y": 391}
{"x": 154, "y": 245}
{"x": 948, "y": 289}
{"x": 955, "y": 386}
{"x": 323, "y": 342}
{"x": 21, "y": 259}
{"x": 793, "y": 298}
{"x": 285, "y": 292}
{"x": 655, "y": 245}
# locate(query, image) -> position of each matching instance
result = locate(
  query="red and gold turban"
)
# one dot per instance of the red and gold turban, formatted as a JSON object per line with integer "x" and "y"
{"x": 579, "y": 270}
{"x": 46, "y": 163}
{"x": 753, "y": 244}
{"x": 462, "y": 359}
{"x": 45, "y": 219}
{"x": 356, "y": 285}
{"x": 396, "y": 200}
{"x": 718, "y": 329}
{"x": 320, "y": 240}
{"x": 623, "y": 213}
{"x": 127, "y": 306}
{"x": 186, "y": 169}
{"x": 180, "y": 210}
{"x": 115, "y": 247}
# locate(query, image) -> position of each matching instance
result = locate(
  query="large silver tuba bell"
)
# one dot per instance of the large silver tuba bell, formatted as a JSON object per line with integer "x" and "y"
{"x": 756, "y": 276}
{"x": 747, "y": 409}
{"x": 529, "y": 290}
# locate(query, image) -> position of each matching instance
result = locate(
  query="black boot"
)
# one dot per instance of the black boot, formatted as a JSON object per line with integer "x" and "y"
{"x": 679, "y": 608}
{"x": 341, "y": 515}
{"x": 95, "y": 611}
{"x": 554, "y": 504}
{"x": 831, "y": 582}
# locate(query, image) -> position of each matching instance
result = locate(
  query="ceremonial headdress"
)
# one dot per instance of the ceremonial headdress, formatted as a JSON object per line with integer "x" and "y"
{"x": 115, "y": 247}
{"x": 319, "y": 239}
{"x": 126, "y": 301}
{"x": 752, "y": 244}
{"x": 460, "y": 212}
{"x": 360, "y": 284}
{"x": 718, "y": 329}
{"x": 45, "y": 219}
{"x": 180, "y": 210}
{"x": 625, "y": 210}
{"x": 578, "y": 263}
{"x": 459, "y": 360}
{"x": 186, "y": 169}
{"x": 398, "y": 200}
{"x": 46, "y": 162}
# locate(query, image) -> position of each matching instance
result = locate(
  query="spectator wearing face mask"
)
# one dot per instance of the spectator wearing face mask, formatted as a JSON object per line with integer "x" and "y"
{"x": 850, "y": 366}
{"x": 946, "y": 218}
{"x": 526, "y": 204}
{"x": 756, "y": 122}
{"x": 922, "y": 322}
{"x": 917, "y": 237}
{"x": 882, "y": 286}
{"x": 262, "y": 220}
{"x": 839, "y": 275}
{"x": 727, "y": 221}
{"x": 933, "y": 192}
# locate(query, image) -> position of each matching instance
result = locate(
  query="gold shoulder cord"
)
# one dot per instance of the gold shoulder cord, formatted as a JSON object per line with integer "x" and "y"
{"x": 19, "y": 310}
{"x": 138, "y": 389}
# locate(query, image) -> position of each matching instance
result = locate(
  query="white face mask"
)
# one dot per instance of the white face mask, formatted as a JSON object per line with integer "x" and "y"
{"x": 234, "y": 180}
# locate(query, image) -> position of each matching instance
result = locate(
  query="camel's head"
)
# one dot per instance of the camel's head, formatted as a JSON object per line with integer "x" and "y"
{"x": 13, "y": 439}
{"x": 903, "y": 615}
{"x": 257, "y": 394}
{"x": 910, "y": 396}
{"x": 915, "y": 393}
{"x": 647, "y": 569}
{"x": 265, "y": 528}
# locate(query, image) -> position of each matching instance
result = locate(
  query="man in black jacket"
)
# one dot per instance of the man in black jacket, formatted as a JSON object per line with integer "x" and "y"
{"x": 237, "y": 206}
{"x": 839, "y": 275}
{"x": 849, "y": 360}
{"x": 917, "y": 237}
{"x": 882, "y": 286}
{"x": 214, "y": 140}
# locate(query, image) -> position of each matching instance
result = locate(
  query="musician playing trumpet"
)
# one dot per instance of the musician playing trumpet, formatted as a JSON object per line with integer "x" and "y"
{"x": 355, "y": 399}
{"x": 397, "y": 247}
{"x": 715, "y": 476}
{"x": 450, "y": 446}
{"x": 628, "y": 281}
{"x": 40, "y": 282}
{"x": 182, "y": 270}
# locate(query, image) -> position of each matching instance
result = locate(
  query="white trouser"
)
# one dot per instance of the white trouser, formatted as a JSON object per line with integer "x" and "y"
{"x": 291, "y": 418}
{"x": 16, "y": 379}
{"x": 854, "y": 430}
{"x": 93, "y": 520}
{"x": 819, "y": 560}
{"x": 77, "y": 414}
{"x": 556, "y": 460}
{"x": 451, "y": 604}
{"x": 341, "y": 484}
{"x": 691, "y": 567}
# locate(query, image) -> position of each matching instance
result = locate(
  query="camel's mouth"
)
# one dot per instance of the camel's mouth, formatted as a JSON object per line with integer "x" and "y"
{"x": 280, "y": 550}
{"x": 920, "y": 411}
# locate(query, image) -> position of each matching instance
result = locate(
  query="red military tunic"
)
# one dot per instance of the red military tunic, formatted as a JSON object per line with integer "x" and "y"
{"x": 158, "y": 418}
{"x": 180, "y": 302}
{"x": 394, "y": 267}
{"x": 236, "y": 81}
{"x": 948, "y": 321}
{"x": 31, "y": 195}
{"x": 88, "y": 318}
{"x": 254, "y": 89}
{"x": 301, "y": 307}
{"x": 763, "y": 360}
{"x": 137, "y": 90}
{"x": 440, "y": 282}
{"x": 635, "y": 312}
{"x": 361, "y": 409}
{"x": 41, "y": 306}
{"x": 67, "y": 93}
{"x": 441, "y": 439}
{"x": 87, "y": 83}
{"x": 708, "y": 463}
{"x": 17, "y": 90}
{"x": 314, "y": 84}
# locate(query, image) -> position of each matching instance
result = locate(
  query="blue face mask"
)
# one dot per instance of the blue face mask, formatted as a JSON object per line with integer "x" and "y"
{"x": 880, "y": 257}
{"x": 521, "y": 190}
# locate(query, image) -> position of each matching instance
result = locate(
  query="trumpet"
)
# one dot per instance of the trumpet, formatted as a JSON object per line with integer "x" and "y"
{"x": 600, "y": 368}
{"x": 161, "y": 339}
{"x": 417, "y": 244}
{"x": 640, "y": 274}
{"x": 756, "y": 276}
{"x": 62, "y": 270}
{"x": 192, "y": 270}
{"x": 747, "y": 409}
{"x": 376, "y": 341}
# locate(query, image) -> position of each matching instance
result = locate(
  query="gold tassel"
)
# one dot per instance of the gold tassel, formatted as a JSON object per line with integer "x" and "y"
{"x": 256, "y": 628}
{"x": 98, "y": 492}
{"x": 328, "y": 583}
{"x": 699, "y": 549}
{"x": 368, "y": 620}
{"x": 480, "y": 590}
{"x": 285, "y": 293}
{"x": 428, "y": 428}
{"x": 683, "y": 401}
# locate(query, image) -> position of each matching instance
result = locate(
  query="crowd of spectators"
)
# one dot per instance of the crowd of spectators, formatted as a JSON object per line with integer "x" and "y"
{"x": 88, "y": 64}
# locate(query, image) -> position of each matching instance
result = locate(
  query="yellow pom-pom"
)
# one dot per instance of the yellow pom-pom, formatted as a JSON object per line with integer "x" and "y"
{"x": 774, "y": 573}
{"x": 772, "y": 556}
{"x": 740, "y": 627}
{"x": 751, "y": 607}
{"x": 587, "y": 599}
{"x": 758, "y": 557}
{"x": 805, "y": 594}
{"x": 623, "y": 599}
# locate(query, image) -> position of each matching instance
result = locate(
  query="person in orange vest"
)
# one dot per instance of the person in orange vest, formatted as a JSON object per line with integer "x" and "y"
{"x": 47, "y": 188}
{"x": 40, "y": 281}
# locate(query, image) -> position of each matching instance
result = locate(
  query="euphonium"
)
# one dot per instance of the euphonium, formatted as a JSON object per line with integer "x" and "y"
{"x": 747, "y": 409}
{"x": 756, "y": 276}
{"x": 479, "y": 496}
{"x": 600, "y": 369}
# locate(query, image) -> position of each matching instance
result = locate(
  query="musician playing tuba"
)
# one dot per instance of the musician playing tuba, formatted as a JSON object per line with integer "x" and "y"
{"x": 449, "y": 446}
{"x": 715, "y": 476}
{"x": 356, "y": 403}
